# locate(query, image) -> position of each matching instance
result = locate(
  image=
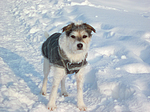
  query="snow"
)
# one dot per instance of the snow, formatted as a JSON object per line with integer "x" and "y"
{"x": 118, "y": 73}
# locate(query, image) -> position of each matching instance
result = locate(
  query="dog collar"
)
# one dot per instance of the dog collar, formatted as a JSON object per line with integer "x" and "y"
{"x": 71, "y": 67}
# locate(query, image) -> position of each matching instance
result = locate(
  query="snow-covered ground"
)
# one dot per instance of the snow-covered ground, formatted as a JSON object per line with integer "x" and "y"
{"x": 118, "y": 74}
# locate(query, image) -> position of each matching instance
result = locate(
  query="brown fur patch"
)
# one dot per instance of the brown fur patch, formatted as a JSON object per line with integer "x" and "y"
{"x": 89, "y": 27}
{"x": 72, "y": 27}
{"x": 68, "y": 27}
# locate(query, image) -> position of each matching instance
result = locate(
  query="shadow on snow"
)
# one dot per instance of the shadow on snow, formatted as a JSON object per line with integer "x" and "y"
{"x": 20, "y": 67}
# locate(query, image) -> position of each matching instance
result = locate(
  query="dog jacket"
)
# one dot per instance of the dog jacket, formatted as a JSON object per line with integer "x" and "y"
{"x": 56, "y": 56}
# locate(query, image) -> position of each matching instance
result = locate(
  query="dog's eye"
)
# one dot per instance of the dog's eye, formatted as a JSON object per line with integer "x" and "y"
{"x": 72, "y": 36}
{"x": 84, "y": 36}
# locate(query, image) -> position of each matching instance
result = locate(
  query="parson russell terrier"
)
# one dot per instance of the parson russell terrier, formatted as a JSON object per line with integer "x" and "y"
{"x": 65, "y": 53}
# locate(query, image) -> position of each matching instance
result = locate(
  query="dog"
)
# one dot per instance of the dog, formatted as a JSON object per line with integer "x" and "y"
{"x": 65, "y": 53}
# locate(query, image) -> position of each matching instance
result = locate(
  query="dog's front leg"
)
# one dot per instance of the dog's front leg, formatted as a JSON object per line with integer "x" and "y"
{"x": 80, "y": 102}
{"x": 58, "y": 73}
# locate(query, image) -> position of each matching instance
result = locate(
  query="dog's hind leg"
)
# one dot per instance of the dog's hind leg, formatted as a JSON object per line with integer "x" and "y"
{"x": 46, "y": 70}
{"x": 63, "y": 88}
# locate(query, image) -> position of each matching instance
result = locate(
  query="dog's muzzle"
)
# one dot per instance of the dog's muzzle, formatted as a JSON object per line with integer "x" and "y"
{"x": 80, "y": 46}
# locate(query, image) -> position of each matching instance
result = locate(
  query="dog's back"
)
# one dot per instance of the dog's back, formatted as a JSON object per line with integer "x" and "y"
{"x": 50, "y": 48}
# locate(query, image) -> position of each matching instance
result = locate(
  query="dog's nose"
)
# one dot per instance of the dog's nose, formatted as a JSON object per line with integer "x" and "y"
{"x": 79, "y": 46}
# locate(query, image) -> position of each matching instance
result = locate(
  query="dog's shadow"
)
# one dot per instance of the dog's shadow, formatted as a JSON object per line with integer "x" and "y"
{"x": 20, "y": 67}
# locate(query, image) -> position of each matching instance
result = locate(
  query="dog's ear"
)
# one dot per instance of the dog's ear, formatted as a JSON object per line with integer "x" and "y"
{"x": 68, "y": 27}
{"x": 89, "y": 27}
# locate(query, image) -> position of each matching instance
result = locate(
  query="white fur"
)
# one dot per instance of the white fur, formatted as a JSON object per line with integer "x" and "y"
{"x": 80, "y": 80}
{"x": 69, "y": 46}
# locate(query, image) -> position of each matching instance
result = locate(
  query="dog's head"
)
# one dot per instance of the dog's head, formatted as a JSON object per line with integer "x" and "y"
{"x": 78, "y": 36}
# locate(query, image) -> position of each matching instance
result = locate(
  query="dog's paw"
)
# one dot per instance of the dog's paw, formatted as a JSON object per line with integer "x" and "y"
{"x": 82, "y": 107}
{"x": 65, "y": 94}
{"x": 51, "y": 107}
{"x": 43, "y": 93}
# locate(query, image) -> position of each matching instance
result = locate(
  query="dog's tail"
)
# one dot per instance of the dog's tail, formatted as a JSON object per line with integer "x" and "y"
{"x": 46, "y": 34}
